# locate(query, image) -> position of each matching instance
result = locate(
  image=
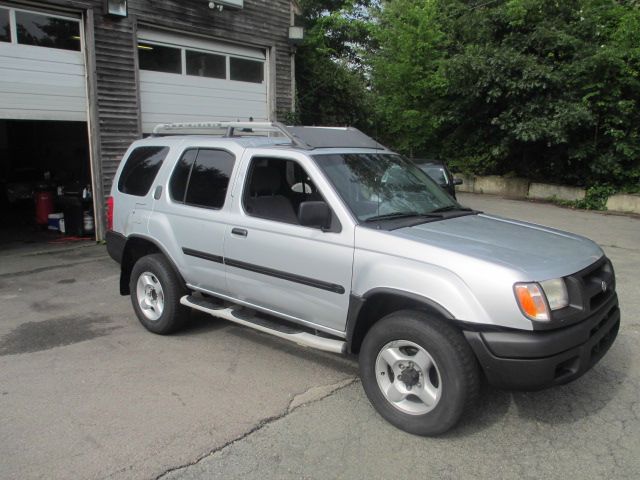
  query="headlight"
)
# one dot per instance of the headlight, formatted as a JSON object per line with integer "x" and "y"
{"x": 556, "y": 293}
{"x": 536, "y": 300}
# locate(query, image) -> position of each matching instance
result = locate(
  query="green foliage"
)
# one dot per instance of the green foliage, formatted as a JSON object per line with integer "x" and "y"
{"x": 596, "y": 198}
{"x": 330, "y": 73}
{"x": 545, "y": 89}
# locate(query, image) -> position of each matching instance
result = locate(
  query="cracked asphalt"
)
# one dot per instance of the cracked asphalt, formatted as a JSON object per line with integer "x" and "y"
{"x": 85, "y": 392}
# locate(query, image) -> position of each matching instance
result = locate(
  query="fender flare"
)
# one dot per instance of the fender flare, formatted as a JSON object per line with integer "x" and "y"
{"x": 357, "y": 303}
{"x": 125, "y": 270}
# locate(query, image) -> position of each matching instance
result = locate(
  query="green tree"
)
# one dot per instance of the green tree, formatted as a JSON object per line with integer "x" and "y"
{"x": 330, "y": 72}
{"x": 542, "y": 88}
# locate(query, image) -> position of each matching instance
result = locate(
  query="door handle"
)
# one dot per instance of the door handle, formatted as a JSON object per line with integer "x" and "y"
{"x": 241, "y": 232}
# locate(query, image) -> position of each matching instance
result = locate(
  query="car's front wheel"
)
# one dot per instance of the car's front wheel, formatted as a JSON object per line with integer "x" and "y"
{"x": 418, "y": 372}
{"x": 156, "y": 291}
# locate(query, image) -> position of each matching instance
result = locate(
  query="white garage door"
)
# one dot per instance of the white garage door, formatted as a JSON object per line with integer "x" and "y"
{"x": 185, "y": 80}
{"x": 42, "y": 70}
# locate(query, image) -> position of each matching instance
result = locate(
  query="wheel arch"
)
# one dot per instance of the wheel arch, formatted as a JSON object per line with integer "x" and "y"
{"x": 135, "y": 248}
{"x": 366, "y": 310}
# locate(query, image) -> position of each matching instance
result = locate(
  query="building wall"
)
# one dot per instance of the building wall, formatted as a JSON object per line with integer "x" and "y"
{"x": 114, "y": 103}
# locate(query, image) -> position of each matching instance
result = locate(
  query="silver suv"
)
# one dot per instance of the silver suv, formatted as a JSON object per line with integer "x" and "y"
{"x": 324, "y": 237}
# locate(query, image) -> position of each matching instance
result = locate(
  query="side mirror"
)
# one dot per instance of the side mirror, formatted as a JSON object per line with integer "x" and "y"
{"x": 315, "y": 214}
{"x": 457, "y": 181}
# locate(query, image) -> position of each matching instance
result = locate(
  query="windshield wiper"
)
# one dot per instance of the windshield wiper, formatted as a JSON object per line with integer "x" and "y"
{"x": 394, "y": 215}
{"x": 451, "y": 208}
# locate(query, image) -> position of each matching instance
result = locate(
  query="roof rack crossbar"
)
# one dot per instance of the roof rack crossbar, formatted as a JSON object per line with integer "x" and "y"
{"x": 229, "y": 129}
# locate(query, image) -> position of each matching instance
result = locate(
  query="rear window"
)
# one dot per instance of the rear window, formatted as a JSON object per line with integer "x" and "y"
{"x": 201, "y": 178}
{"x": 141, "y": 169}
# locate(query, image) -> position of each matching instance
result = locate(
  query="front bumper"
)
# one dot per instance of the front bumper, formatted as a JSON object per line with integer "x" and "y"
{"x": 536, "y": 360}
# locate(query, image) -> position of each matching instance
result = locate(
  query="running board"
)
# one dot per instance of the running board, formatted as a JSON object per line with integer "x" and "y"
{"x": 236, "y": 314}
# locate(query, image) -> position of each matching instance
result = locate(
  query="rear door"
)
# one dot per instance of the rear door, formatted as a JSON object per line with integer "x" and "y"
{"x": 191, "y": 217}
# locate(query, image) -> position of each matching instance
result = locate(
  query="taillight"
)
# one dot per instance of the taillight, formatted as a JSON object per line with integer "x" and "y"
{"x": 109, "y": 213}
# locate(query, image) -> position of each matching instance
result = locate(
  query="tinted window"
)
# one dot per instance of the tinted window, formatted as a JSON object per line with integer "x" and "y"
{"x": 180, "y": 176}
{"x": 159, "y": 58}
{"x": 5, "y": 29}
{"x": 206, "y": 65}
{"x": 246, "y": 70}
{"x": 210, "y": 178}
{"x": 141, "y": 169}
{"x": 44, "y": 31}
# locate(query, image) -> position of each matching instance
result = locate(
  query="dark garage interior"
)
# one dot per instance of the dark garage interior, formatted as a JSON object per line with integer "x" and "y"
{"x": 45, "y": 183}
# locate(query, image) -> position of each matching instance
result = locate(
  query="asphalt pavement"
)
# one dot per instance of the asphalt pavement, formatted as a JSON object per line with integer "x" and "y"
{"x": 85, "y": 392}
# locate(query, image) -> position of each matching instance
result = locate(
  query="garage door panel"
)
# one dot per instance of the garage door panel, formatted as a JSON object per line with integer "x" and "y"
{"x": 183, "y": 104}
{"x": 20, "y": 80}
{"x": 41, "y": 101}
{"x": 181, "y": 91}
{"x": 39, "y": 114}
{"x": 174, "y": 97}
{"x": 40, "y": 66}
{"x": 200, "y": 44}
{"x": 32, "y": 53}
{"x": 151, "y": 81}
{"x": 40, "y": 83}
{"x": 229, "y": 109}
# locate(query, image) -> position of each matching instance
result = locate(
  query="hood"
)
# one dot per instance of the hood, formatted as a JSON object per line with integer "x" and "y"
{"x": 540, "y": 253}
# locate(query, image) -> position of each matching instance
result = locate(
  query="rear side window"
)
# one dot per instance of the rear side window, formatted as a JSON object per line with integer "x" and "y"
{"x": 141, "y": 169}
{"x": 201, "y": 179}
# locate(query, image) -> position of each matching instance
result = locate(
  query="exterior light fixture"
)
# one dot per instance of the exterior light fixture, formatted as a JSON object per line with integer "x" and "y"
{"x": 116, "y": 8}
{"x": 296, "y": 35}
{"x": 222, "y": 4}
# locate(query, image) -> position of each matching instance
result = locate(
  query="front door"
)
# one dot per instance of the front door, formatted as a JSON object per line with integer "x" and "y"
{"x": 272, "y": 261}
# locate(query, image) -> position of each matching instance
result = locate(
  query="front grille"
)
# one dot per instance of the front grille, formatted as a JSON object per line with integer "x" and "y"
{"x": 597, "y": 284}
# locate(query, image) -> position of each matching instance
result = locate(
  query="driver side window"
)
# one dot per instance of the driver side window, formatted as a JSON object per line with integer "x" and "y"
{"x": 276, "y": 188}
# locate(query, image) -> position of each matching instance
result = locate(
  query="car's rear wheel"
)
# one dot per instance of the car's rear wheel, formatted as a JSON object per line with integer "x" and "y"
{"x": 155, "y": 294}
{"x": 418, "y": 372}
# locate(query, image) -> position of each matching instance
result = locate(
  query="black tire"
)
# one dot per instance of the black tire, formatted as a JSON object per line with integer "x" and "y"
{"x": 173, "y": 315}
{"x": 456, "y": 378}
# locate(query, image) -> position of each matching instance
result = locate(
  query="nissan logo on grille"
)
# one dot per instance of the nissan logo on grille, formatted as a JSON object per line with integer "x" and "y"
{"x": 604, "y": 286}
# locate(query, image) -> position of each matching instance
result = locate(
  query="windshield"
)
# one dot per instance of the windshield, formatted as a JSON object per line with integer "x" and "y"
{"x": 376, "y": 185}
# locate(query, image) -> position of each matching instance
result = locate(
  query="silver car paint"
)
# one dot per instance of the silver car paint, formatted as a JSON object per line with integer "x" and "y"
{"x": 467, "y": 265}
{"x": 304, "y": 251}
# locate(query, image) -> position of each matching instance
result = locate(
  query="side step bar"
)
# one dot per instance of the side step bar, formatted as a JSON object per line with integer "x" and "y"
{"x": 237, "y": 315}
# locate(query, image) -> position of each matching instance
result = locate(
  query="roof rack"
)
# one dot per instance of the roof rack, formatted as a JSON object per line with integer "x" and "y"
{"x": 303, "y": 137}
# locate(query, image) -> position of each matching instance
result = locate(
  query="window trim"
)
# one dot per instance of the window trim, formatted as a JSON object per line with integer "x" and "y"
{"x": 186, "y": 190}
{"x": 264, "y": 73}
{"x": 215, "y": 54}
{"x": 183, "y": 59}
{"x": 13, "y": 25}
{"x": 337, "y": 228}
{"x": 158, "y": 44}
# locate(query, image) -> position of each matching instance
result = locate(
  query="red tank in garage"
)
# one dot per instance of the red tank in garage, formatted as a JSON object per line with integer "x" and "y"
{"x": 44, "y": 206}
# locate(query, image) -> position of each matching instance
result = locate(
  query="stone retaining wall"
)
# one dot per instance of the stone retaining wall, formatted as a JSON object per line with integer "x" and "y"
{"x": 514, "y": 187}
